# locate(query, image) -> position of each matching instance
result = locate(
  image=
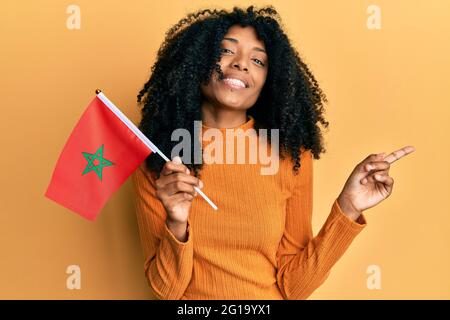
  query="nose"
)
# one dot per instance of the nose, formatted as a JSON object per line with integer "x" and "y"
{"x": 240, "y": 64}
{"x": 236, "y": 65}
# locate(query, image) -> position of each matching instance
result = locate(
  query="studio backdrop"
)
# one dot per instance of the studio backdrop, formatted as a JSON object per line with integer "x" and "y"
{"x": 384, "y": 66}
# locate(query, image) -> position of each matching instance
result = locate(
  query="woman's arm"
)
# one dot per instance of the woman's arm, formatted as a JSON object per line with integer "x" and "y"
{"x": 168, "y": 250}
{"x": 304, "y": 261}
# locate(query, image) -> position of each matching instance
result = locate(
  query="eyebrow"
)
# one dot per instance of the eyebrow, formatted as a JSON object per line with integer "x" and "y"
{"x": 237, "y": 41}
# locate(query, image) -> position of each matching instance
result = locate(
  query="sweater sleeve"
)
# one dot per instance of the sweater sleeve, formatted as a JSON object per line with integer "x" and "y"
{"x": 304, "y": 261}
{"x": 168, "y": 262}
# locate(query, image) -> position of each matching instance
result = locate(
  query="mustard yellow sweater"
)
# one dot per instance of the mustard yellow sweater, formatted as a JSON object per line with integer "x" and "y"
{"x": 258, "y": 244}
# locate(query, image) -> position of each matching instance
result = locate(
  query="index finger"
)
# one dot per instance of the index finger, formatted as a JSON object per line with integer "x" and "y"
{"x": 396, "y": 155}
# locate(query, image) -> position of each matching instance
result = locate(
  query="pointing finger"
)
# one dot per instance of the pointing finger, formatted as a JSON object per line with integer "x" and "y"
{"x": 396, "y": 155}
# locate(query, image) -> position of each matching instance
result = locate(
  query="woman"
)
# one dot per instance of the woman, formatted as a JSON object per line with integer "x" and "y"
{"x": 237, "y": 70}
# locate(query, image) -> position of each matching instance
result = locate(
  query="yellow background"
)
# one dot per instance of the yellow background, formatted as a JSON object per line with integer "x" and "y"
{"x": 387, "y": 88}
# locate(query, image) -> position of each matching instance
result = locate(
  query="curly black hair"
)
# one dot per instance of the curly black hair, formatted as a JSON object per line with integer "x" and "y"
{"x": 290, "y": 100}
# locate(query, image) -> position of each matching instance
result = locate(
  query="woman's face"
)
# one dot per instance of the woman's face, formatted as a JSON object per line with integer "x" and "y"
{"x": 244, "y": 64}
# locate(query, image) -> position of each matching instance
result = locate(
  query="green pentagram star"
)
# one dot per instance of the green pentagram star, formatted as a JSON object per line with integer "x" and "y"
{"x": 97, "y": 168}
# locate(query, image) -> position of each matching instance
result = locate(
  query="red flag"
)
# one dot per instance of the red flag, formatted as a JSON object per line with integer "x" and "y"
{"x": 100, "y": 154}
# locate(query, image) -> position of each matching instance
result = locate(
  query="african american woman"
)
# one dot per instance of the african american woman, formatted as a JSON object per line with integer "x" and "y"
{"x": 236, "y": 71}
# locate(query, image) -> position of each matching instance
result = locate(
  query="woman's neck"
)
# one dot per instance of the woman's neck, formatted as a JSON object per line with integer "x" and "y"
{"x": 217, "y": 117}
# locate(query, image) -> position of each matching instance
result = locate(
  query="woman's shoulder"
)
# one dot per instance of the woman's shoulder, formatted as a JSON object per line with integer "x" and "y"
{"x": 288, "y": 171}
{"x": 305, "y": 154}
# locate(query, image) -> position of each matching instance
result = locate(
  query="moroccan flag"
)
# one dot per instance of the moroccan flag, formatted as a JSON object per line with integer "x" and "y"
{"x": 102, "y": 151}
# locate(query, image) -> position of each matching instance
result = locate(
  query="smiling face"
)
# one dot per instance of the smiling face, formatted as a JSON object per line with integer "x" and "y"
{"x": 244, "y": 64}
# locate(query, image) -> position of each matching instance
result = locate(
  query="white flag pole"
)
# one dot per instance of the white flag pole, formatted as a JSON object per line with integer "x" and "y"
{"x": 141, "y": 136}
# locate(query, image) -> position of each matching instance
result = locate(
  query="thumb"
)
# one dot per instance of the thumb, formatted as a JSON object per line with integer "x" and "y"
{"x": 177, "y": 159}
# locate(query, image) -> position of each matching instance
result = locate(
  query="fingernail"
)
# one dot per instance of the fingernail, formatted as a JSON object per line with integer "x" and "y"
{"x": 200, "y": 184}
{"x": 176, "y": 159}
{"x": 369, "y": 167}
{"x": 187, "y": 171}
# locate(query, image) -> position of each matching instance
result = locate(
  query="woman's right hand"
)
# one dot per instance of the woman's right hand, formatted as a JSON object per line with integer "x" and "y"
{"x": 175, "y": 189}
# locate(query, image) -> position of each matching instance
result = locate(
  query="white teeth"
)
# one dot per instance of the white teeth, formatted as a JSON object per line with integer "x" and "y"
{"x": 235, "y": 82}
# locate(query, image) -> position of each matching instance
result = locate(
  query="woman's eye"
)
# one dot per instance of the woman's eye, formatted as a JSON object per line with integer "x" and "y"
{"x": 224, "y": 50}
{"x": 259, "y": 62}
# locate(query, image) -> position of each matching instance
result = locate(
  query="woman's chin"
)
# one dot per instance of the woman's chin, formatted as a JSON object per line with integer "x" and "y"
{"x": 230, "y": 102}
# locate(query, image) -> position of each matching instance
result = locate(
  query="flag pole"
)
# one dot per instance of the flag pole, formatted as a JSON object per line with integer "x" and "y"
{"x": 141, "y": 136}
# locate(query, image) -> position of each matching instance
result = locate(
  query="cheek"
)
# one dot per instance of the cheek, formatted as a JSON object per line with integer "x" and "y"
{"x": 208, "y": 89}
{"x": 260, "y": 80}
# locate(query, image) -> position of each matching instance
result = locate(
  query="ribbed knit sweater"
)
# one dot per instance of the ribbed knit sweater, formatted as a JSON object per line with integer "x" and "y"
{"x": 259, "y": 244}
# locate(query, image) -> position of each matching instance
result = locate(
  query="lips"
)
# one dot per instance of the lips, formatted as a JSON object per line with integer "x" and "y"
{"x": 234, "y": 83}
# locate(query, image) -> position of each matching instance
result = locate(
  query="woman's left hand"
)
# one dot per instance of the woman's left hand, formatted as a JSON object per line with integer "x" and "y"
{"x": 369, "y": 183}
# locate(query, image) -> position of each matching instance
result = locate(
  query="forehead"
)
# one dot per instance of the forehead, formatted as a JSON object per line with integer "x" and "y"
{"x": 244, "y": 34}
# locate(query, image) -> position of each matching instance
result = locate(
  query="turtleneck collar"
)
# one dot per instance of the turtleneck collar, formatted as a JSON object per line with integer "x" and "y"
{"x": 247, "y": 125}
